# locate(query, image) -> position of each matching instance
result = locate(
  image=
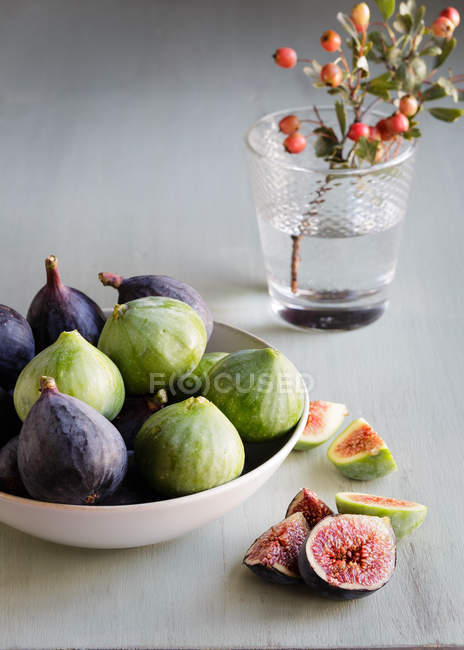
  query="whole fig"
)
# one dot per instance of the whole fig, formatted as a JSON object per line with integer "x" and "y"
{"x": 10, "y": 478}
{"x": 153, "y": 341}
{"x": 81, "y": 371}
{"x": 57, "y": 309}
{"x": 141, "y": 286}
{"x": 68, "y": 452}
{"x": 16, "y": 346}
{"x": 135, "y": 411}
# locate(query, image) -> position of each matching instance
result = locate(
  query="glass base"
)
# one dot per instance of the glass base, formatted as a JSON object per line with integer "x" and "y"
{"x": 329, "y": 318}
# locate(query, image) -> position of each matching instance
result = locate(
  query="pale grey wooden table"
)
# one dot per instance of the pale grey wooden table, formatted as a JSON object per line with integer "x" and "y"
{"x": 121, "y": 149}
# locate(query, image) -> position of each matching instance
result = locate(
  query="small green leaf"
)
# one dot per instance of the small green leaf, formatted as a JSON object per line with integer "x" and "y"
{"x": 378, "y": 40}
{"x": 341, "y": 116}
{"x": 347, "y": 24}
{"x": 449, "y": 87}
{"x": 446, "y": 114}
{"x": 324, "y": 146}
{"x": 394, "y": 55}
{"x": 461, "y": 95}
{"x": 447, "y": 48}
{"x": 366, "y": 150}
{"x": 403, "y": 23}
{"x": 434, "y": 92}
{"x": 412, "y": 133}
{"x": 386, "y": 8}
{"x": 433, "y": 50}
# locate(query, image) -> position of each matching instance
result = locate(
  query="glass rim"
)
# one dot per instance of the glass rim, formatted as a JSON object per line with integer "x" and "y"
{"x": 398, "y": 160}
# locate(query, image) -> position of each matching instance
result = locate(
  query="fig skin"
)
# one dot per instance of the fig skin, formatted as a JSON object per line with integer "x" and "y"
{"x": 141, "y": 286}
{"x": 68, "y": 452}
{"x": 310, "y": 505}
{"x": 275, "y": 541}
{"x": 17, "y": 346}
{"x": 132, "y": 489}
{"x": 81, "y": 371}
{"x": 188, "y": 447}
{"x": 331, "y": 591}
{"x": 194, "y": 383}
{"x": 135, "y": 411}
{"x": 10, "y": 478}
{"x": 56, "y": 308}
{"x": 260, "y": 391}
{"x": 154, "y": 341}
{"x": 10, "y": 422}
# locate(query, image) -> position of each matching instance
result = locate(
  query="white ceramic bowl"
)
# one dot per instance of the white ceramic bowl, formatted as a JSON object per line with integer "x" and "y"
{"x": 148, "y": 523}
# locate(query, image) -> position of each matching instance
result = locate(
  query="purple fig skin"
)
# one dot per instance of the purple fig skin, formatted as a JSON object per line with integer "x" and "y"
{"x": 57, "y": 308}
{"x": 10, "y": 424}
{"x": 10, "y": 478}
{"x": 132, "y": 490}
{"x": 68, "y": 452}
{"x": 134, "y": 412}
{"x": 141, "y": 286}
{"x": 16, "y": 346}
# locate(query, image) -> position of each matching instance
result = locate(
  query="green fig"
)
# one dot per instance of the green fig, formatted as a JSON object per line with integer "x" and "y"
{"x": 80, "y": 370}
{"x": 153, "y": 341}
{"x": 260, "y": 391}
{"x": 194, "y": 383}
{"x": 188, "y": 447}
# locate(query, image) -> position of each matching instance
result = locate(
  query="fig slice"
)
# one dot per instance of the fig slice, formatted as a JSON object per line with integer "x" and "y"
{"x": 405, "y": 516}
{"x": 274, "y": 555}
{"x": 348, "y": 556}
{"x": 310, "y": 505}
{"x": 360, "y": 453}
{"x": 324, "y": 418}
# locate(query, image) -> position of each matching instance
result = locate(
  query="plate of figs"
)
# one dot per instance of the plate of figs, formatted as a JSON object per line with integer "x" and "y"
{"x": 138, "y": 424}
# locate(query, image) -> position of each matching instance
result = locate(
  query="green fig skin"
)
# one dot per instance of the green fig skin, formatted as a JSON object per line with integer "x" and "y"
{"x": 153, "y": 341}
{"x": 405, "y": 516}
{"x": 260, "y": 391}
{"x": 80, "y": 370}
{"x": 188, "y": 447}
{"x": 195, "y": 383}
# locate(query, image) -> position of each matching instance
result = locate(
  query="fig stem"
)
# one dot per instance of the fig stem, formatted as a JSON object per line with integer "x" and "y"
{"x": 53, "y": 276}
{"x": 48, "y": 384}
{"x": 157, "y": 401}
{"x": 111, "y": 279}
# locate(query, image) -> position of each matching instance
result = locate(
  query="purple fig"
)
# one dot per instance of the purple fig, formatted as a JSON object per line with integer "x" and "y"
{"x": 57, "y": 309}
{"x": 10, "y": 423}
{"x": 141, "y": 286}
{"x": 135, "y": 411}
{"x": 10, "y": 478}
{"x": 16, "y": 346}
{"x": 68, "y": 452}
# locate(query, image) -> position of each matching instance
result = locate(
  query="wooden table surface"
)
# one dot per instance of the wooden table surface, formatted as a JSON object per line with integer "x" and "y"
{"x": 121, "y": 149}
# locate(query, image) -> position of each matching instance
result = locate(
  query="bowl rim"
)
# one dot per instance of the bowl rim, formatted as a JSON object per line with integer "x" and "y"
{"x": 166, "y": 504}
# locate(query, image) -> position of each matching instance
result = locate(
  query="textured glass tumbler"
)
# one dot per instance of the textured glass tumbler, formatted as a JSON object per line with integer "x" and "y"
{"x": 330, "y": 238}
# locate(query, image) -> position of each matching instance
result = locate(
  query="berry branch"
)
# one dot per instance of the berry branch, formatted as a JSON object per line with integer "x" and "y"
{"x": 407, "y": 83}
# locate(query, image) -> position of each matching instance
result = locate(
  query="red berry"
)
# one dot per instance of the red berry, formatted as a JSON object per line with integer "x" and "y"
{"x": 285, "y": 57}
{"x": 358, "y": 130}
{"x": 409, "y": 105}
{"x": 331, "y": 75}
{"x": 398, "y": 123}
{"x": 360, "y": 15}
{"x": 295, "y": 143}
{"x": 452, "y": 14}
{"x": 374, "y": 133}
{"x": 331, "y": 41}
{"x": 442, "y": 27}
{"x": 384, "y": 128}
{"x": 289, "y": 124}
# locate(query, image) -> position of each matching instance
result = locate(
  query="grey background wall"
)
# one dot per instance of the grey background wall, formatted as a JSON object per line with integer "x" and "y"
{"x": 122, "y": 126}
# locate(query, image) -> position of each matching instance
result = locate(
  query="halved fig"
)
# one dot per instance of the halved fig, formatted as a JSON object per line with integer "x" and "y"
{"x": 310, "y": 505}
{"x": 324, "y": 419}
{"x": 348, "y": 556}
{"x": 274, "y": 555}
{"x": 360, "y": 453}
{"x": 405, "y": 516}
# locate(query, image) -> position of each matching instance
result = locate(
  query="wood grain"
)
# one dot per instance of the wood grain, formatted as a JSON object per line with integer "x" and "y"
{"x": 121, "y": 131}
